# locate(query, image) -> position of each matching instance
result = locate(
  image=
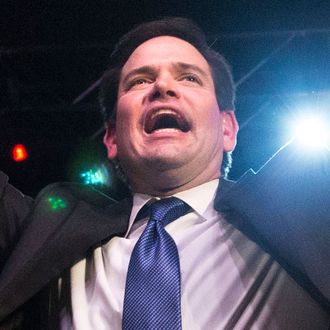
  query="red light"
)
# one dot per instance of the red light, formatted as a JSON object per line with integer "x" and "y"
{"x": 19, "y": 153}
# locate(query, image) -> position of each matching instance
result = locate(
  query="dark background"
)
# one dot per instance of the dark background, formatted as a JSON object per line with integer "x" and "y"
{"x": 53, "y": 51}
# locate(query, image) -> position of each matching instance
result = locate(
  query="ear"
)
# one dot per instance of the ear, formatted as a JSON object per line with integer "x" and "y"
{"x": 109, "y": 140}
{"x": 230, "y": 129}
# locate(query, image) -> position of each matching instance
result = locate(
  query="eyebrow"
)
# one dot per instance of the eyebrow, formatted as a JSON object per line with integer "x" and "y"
{"x": 152, "y": 69}
{"x": 190, "y": 67}
{"x": 146, "y": 69}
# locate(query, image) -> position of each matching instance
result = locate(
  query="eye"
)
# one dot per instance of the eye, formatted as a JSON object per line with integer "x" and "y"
{"x": 191, "y": 78}
{"x": 138, "y": 82}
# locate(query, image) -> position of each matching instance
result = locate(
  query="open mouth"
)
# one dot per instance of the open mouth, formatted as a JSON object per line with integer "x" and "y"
{"x": 165, "y": 119}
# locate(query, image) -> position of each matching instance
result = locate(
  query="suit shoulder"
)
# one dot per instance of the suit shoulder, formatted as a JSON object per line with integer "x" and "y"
{"x": 74, "y": 193}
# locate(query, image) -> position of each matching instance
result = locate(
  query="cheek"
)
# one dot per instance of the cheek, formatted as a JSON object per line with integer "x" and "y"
{"x": 122, "y": 106}
{"x": 211, "y": 126}
{"x": 124, "y": 115}
{"x": 129, "y": 106}
{"x": 209, "y": 117}
{"x": 127, "y": 124}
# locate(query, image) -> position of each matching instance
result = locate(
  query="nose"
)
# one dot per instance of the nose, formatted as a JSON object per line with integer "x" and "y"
{"x": 164, "y": 87}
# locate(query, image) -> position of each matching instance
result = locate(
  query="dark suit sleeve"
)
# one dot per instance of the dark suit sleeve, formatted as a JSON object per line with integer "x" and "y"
{"x": 14, "y": 208}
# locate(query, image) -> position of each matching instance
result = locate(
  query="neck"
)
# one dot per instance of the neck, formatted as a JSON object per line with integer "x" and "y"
{"x": 164, "y": 185}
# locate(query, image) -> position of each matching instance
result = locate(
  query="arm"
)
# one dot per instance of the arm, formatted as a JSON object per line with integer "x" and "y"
{"x": 14, "y": 207}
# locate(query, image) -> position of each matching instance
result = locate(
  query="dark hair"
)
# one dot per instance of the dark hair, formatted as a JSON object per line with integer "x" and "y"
{"x": 179, "y": 27}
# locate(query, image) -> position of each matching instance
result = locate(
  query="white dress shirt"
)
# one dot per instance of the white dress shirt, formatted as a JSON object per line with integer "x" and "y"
{"x": 228, "y": 282}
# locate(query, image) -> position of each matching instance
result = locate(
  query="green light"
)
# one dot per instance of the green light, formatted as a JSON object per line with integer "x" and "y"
{"x": 56, "y": 203}
{"x": 93, "y": 177}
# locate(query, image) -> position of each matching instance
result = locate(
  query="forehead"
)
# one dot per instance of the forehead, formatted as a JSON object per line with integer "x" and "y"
{"x": 162, "y": 50}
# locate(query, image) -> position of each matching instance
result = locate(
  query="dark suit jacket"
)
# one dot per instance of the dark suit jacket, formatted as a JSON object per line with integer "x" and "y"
{"x": 285, "y": 208}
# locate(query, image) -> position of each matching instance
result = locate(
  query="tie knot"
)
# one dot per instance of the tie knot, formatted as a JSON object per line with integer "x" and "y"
{"x": 168, "y": 209}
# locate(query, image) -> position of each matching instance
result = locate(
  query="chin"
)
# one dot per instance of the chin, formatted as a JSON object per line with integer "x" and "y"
{"x": 164, "y": 163}
{"x": 159, "y": 162}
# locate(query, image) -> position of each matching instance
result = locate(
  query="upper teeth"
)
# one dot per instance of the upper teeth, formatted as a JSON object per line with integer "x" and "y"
{"x": 162, "y": 111}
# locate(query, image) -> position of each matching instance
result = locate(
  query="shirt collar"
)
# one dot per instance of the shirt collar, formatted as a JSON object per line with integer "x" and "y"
{"x": 199, "y": 198}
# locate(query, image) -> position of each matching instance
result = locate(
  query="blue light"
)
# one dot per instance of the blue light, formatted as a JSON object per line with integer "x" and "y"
{"x": 94, "y": 176}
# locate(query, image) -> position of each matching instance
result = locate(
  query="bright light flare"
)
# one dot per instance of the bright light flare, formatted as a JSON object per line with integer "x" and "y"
{"x": 312, "y": 132}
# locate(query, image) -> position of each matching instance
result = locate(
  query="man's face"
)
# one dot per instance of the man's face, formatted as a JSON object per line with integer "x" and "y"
{"x": 169, "y": 131}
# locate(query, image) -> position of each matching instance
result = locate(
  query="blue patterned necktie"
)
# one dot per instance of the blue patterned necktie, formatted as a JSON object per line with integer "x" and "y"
{"x": 153, "y": 287}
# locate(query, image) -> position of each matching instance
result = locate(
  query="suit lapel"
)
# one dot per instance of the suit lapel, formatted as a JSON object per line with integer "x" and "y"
{"x": 285, "y": 209}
